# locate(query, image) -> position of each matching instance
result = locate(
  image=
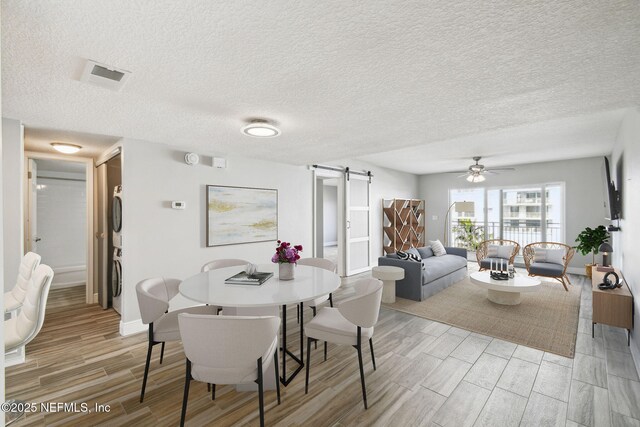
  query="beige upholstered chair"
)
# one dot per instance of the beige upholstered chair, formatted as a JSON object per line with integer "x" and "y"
{"x": 485, "y": 258}
{"x": 153, "y": 300}
{"x": 229, "y": 350}
{"x": 20, "y": 330}
{"x": 14, "y": 298}
{"x": 319, "y": 263}
{"x": 222, "y": 263}
{"x": 351, "y": 322}
{"x": 548, "y": 259}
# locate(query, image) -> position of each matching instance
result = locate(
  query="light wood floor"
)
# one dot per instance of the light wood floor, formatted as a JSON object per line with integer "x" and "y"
{"x": 428, "y": 374}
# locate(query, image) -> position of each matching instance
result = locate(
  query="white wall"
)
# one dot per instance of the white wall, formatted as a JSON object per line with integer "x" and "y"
{"x": 625, "y": 167}
{"x": 62, "y": 225}
{"x": 583, "y": 194}
{"x": 160, "y": 241}
{"x": 1, "y": 256}
{"x": 12, "y": 173}
{"x": 330, "y": 214}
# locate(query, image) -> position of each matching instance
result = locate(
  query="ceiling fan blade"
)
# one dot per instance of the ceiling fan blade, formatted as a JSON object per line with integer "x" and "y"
{"x": 463, "y": 175}
{"x": 500, "y": 169}
{"x": 464, "y": 171}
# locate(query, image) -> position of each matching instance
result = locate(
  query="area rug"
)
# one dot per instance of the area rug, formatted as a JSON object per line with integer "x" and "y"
{"x": 546, "y": 319}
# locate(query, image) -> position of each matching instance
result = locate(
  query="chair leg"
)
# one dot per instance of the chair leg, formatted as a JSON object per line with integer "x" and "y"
{"x": 564, "y": 284}
{"x": 331, "y": 300}
{"x": 567, "y": 279}
{"x": 315, "y": 343}
{"x": 208, "y": 386}
{"x": 314, "y": 311}
{"x": 185, "y": 398}
{"x": 213, "y": 392}
{"x": 162, "y": 352}
{"x": 146, "y": 371}
{"x": 359, "y": 348}
{"x": 298, "y": 313}
{"x": 275, "y": 364}
{"x": 325, "y": 351}
{"x": 306, "y": 378}
{"x": 373, "y": 358}
{"x": 260, "y": 392}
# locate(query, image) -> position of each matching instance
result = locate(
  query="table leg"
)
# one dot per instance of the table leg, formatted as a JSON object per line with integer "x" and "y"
{"x": 285, "y": 351}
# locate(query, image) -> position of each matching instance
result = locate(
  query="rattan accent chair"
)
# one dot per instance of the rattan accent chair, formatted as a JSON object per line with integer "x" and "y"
{"x": 483, "y": 250}
{"x": 546, "y": 269}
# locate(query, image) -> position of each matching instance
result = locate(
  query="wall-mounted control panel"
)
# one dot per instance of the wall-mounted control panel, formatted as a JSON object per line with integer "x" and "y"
{"x": 178, "y": 205}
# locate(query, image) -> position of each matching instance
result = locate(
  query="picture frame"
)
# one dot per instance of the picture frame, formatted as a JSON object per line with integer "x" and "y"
{"x": 240, "y": 215}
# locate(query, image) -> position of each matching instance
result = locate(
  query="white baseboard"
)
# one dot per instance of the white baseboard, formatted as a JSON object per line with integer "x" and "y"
{"x": 330, "y": 244}
{"x": 15, "y": 357}
{"x": 67, "y": 284}
{"x": 576, "y": 270}
{"x": 95, "y": 298}
{"x": 133, "y": 327}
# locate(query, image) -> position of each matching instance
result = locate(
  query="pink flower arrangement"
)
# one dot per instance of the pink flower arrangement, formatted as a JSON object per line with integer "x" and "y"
{"x": 286, "y": 254}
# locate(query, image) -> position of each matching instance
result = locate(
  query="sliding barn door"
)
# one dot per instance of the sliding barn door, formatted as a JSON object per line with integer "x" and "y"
{"x": 358, "y": 223}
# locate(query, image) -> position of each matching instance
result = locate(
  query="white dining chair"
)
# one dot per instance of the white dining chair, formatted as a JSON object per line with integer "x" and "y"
{"x": 14, "y": 298}
{"x": 153, "y": 300}
{"x": 21, "y": 330}
{"x": 349, "y": 323}
{"x": 319, "y": 263}
{"x": 222, "y": 263}
{"x": 229, "y": 350}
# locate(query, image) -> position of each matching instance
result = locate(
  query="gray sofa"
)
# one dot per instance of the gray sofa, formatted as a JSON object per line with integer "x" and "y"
{"x": 433, "y": 274}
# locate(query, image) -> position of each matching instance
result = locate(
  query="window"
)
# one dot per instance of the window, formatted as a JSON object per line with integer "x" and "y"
{"x": 523, "y": 214}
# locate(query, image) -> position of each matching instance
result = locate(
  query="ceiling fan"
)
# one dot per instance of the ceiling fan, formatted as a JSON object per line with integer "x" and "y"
{"x": 476, "y": 172}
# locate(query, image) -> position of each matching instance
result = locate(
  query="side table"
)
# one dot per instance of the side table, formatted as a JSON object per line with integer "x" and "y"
{"x": 388, "y": 274}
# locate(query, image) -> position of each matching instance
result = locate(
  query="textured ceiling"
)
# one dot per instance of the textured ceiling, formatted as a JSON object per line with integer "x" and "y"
{"x": 92, "y": 145}
{"x": 343, "y": 79}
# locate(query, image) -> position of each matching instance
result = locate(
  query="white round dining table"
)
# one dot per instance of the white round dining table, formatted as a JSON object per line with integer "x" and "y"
{"x": 209, "y": 287}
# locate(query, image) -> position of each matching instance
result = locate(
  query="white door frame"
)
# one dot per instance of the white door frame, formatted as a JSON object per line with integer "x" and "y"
{"x": 331, "y": 174}
{"x": 90, "y": 209}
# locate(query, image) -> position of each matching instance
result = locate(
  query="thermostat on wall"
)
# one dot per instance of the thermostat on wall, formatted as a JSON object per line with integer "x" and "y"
{"x": 178, "y": 205}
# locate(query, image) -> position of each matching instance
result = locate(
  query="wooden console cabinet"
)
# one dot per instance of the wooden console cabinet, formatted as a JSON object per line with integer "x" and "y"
{"x": 613, "y": 307}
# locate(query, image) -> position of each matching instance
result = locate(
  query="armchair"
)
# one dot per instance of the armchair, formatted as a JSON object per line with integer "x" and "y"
{"x": 485, "y": 258}
{"x": 551, "y": 260}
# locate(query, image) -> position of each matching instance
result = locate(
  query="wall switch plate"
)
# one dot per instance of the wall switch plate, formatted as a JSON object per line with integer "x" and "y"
{"x": 434, "y": 217}
{"x": 178, "y": 205}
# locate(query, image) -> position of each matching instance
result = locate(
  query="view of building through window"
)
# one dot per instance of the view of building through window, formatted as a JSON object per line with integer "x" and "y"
{"x": 523, "y": 214}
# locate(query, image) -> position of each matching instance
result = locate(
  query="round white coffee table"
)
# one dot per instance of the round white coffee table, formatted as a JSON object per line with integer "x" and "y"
{"x": 388, "y": 274}
{"x": 505, "y": 292}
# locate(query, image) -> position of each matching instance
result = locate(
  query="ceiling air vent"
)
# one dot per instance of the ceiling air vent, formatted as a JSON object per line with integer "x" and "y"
{"x": 104, "y": 75}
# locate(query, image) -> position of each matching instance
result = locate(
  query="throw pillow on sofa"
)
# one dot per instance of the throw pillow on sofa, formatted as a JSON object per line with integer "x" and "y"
{"x": 437, "y": 247}
{"x": 408, "y": 256}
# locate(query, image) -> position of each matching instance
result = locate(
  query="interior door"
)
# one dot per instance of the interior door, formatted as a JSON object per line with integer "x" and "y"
{"x": 32, "y": 203}
{"x": 102, "y": 253}
{"x": 357, "y": 195}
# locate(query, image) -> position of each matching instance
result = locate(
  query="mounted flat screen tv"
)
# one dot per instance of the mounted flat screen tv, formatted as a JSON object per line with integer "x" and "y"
{"x": 611, "y": 195}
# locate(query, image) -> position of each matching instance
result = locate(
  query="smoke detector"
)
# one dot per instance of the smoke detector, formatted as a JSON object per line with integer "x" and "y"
{"x": 104, "y": 75}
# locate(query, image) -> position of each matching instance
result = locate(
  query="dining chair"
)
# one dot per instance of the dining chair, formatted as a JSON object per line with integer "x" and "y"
{"x": 229, "y": 350}
{"x": 14, "y": 298}
{"x": 351, "y": 321}
{"x": 319, "y": 263}
{"x": 222, "y": 263}
{"x": 154, "y": 295}
{"x": 21, "y": 330}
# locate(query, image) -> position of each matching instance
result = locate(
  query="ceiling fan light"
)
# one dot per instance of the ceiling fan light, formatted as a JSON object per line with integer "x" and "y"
{"x": 65, "y": 148}
{"x": 475, "y": 178}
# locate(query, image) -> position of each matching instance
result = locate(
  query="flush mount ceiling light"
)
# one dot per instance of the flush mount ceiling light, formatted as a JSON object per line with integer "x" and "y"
{"x": 65, "y": 148}
{"x": 261, "y": 129}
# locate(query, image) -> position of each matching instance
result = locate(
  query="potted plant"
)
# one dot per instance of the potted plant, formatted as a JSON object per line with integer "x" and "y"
{"x": 468, "y": 235}
{"x": 287, "y": 257}
{"x": 589, "y": 240}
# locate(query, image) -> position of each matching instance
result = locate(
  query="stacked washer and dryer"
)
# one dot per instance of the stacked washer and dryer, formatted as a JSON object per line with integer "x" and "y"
{"x": 116, "y": 264}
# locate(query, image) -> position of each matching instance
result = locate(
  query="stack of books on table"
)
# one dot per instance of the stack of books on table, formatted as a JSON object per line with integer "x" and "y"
{"x": 243, "y": 278}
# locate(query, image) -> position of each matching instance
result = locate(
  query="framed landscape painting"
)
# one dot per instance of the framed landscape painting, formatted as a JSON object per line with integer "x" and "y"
{"x": 241, "y": 215}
